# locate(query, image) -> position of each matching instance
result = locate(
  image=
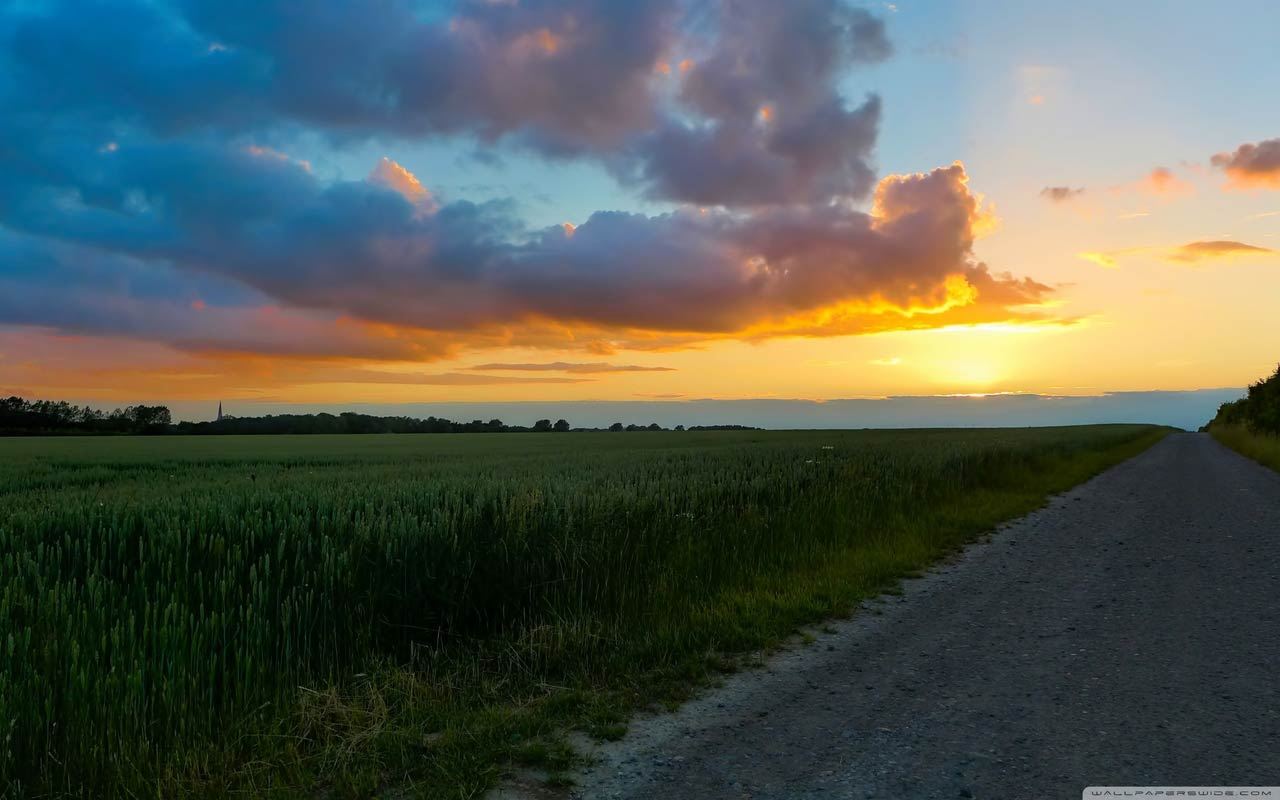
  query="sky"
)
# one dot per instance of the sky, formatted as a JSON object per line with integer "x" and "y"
{"x": 505, "y": 201}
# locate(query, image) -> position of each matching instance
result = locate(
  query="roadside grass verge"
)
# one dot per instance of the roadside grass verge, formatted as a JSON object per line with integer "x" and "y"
{"x": 411, "y": 616}
{"x": 1261, "y": 447}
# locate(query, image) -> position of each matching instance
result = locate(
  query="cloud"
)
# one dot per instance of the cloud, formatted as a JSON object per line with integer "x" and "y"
{"x": 575, "y": 73}
{"x": 769, "y": 122}
{"x": 361, "y": 250}
{"x": 156, "y": 196}
{"x": 571, "y": 78}
{"x": 430, "y": 379}
{"x": 1251, "y": 166}
{"x": 1060, "y": 194}
{"x": 61, "y": 365}
{"x": 1221, "y": 248}
{"x": 1190, "y": 253}
{"x": 79, "y": 291}
{"x": 391, "y": 175}
{"x": 1162, "y": 181}
{"x": 1101, "y": 259}
{"x": 564, "y": 366}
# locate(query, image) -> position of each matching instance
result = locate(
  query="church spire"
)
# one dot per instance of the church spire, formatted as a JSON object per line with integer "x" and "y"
{"x": 219, "y": 411}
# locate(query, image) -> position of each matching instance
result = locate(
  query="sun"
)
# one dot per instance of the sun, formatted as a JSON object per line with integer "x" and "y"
{"x": 973, "y": 373}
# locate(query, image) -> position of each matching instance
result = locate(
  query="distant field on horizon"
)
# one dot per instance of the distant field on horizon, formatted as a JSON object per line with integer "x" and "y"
{"x": 1184, "y": 409}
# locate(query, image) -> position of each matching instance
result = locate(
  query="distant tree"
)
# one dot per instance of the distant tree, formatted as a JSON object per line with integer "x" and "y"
{"x": 679, "y": 428}
{"x": 145, "y": 419}
{"x": 1263, "y": 404}
{"x": 21, "y": 417}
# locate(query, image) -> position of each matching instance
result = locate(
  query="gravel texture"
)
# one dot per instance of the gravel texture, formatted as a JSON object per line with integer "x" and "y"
{"x": 1127, "y": 634}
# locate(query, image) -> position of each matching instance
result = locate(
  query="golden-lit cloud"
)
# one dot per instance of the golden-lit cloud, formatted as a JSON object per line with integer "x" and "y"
{"x": 1162, "y": 182}
{"x": 1101, "y": 259}
{"x": 1194, "y": 252}
{"x": 107, "y": 368}
{"x": 571, "y": 367}
{"x": 390, "y": 175}
{"x": 541, "y": 42}
{"x": 1251, "y": 166}
{"x": 1189, "y": 253}
{"x": 253, "y": 150}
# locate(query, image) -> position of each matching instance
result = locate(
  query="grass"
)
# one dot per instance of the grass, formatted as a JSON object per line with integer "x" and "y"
{"x": 1261, "y": 447}
{"x": 411, "y": 615}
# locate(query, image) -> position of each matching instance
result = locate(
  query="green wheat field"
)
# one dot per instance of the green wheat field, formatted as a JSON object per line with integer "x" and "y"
{"x": 413, "y": 615}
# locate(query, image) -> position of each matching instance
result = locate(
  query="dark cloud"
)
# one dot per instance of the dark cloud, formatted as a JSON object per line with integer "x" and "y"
{"x": 142, "y": 169}
{"x": 564, "y": 77}
{"x": 779, "y": 129}
{"x": 565, "y": 366}
{"x": 1060, "y": 194}
{"x": 86, "y": 292}
{"x": 367, "y": 250}
{"x": 1252, "y": 166}
{"x": 573, "y": 73}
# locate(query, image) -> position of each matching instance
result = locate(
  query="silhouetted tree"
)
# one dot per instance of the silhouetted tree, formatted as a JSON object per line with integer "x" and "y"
{"x": 542, "y": 425}
{"x": 17, "y": 416}
{"x": 561, "y": 426}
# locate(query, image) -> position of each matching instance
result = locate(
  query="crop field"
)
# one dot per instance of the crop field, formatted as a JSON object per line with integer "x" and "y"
{"x": 345, "y": 616}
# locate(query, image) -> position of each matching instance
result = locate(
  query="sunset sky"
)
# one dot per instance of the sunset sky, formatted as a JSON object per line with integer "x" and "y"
{"x": 503, "y": 200}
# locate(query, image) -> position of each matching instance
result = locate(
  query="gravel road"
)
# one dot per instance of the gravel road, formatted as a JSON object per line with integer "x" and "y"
{"x": 1126, "y": 634}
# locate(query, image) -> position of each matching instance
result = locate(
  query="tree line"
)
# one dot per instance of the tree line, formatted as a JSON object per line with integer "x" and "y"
{"x": 46, "y": 417}
{"x": 1259, "y": 410}
{"x": 18, "y": 416}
